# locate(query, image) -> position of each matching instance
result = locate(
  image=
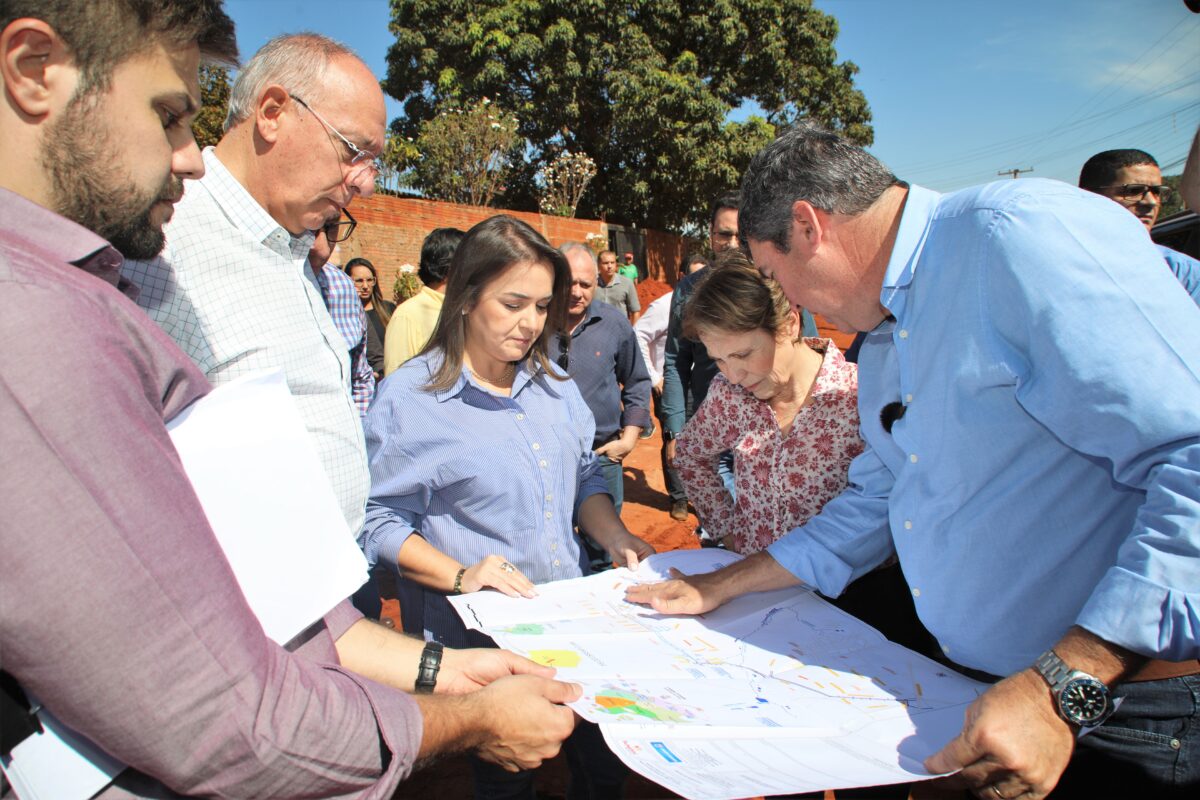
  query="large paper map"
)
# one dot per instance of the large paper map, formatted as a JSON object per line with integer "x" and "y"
{"x": 773, "y": 693}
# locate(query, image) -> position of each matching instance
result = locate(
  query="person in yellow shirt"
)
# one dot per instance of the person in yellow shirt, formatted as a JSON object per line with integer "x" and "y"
{"x": 413, "y": 321}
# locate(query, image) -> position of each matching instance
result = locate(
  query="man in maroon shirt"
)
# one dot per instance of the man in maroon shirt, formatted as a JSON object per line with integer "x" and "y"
{"x": 117, "y": 607}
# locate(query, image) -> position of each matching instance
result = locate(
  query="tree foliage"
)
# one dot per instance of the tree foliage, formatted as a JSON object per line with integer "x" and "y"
{"x": 563, "y": 182}
{"x": 214, "y": 103}
{"x": 463, "y": 154}
{"x": 643, "y": 87}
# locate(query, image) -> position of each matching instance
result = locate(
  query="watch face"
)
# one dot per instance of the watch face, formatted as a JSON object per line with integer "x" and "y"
{"x": 1084, "y": 701}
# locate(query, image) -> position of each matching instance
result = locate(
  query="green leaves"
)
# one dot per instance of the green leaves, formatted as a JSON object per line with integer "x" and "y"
{"x": 643, "y": 87}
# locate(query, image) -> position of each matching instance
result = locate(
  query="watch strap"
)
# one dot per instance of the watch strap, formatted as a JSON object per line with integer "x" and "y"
{"x": 427, "y": 671}
{"x": 1053, "y": 670}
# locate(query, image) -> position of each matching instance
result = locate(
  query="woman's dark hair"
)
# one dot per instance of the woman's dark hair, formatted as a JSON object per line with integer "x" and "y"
{"x": 692, "y": 258}
{"x": 733, "y": 296}
{"x": 437, "y": 251}
{"x": 380, "y": 307}
{"x": 485, "y": 252}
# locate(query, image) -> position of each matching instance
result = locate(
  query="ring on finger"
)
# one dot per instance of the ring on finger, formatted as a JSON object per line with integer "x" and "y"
{"x": 508, "y": 568}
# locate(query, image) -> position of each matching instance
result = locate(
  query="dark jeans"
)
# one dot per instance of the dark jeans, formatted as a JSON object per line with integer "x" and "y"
{"x": 674, "y": 483}
{"x": 1149, "y": 747}
{"x": 596, "y": 774}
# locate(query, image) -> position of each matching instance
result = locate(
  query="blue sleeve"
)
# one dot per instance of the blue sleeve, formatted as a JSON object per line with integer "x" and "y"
{"x": 1186, "y": 269}
{"x": 635, "y": 381}
{"x": 849, "y": 538}
{"x": 400, "y": 479}
{"x": 579, "y": 417}
{"x": 1127, "y": 395}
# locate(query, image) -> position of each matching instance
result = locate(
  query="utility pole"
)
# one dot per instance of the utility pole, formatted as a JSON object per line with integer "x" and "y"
{"x": 1014, "y": 172}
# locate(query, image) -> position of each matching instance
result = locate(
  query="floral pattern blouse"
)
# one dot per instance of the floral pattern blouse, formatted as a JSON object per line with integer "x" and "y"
{"x": 781, "y": 481}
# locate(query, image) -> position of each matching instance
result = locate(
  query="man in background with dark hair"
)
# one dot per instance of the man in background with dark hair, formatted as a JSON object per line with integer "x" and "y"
{"x": 345, "y": 309}
{"x": 157, "y": 660}
{"x": 413, "y": 320}
{"x": 1132, "y": 179}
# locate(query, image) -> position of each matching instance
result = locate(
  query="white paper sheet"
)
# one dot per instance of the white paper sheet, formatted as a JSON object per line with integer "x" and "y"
{"x": 257, "y": 475}
{"x": 775, "y": 692}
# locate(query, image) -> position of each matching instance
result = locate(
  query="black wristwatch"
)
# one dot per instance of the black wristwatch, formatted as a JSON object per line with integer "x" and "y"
{"x": 1081, "y": 699}
{"x": 431, "y": 662}
{"x": 667, "y": 435}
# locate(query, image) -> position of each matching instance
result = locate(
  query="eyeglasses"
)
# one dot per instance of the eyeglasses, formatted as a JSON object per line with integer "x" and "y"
{"x": 1136, "y": 191}
{"x": 339, "y": 230}
{"x": 358, "y": 157}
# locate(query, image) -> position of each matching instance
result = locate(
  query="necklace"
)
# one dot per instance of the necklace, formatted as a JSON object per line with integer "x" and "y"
{"x": 508, "y": 373}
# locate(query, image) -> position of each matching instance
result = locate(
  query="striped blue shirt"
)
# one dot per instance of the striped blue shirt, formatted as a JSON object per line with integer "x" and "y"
{"x": 475, "y": 473}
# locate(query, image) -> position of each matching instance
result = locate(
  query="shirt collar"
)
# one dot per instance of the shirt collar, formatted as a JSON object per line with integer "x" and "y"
{"x": 63, "y": 239}
{"x": 464, "y": 383}
{"x": 590, "y": 314}
{"x": 915, "y": 219}
{"x": 246, "y": 213}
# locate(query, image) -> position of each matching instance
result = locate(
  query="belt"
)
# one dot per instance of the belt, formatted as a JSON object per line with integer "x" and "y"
{"x": 1153, "y": 670}
{"x": 1158, "y": 670}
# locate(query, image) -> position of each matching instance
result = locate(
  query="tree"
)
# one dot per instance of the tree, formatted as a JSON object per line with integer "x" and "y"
{"x": 643, "y": 87}
{"x": 563, "y": 182}
{"x": 1173, "y": 202}
{"x": 464, "y": 153}
{"x": 214, "y": 103}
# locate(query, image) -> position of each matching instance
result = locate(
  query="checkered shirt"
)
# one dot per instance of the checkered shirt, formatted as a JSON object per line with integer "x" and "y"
{"x": 236, "y": 292}
{"x": 346, "y": 309}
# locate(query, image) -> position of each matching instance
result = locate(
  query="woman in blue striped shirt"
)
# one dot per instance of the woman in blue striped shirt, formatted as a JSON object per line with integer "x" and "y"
{"x": 480, "y": 451}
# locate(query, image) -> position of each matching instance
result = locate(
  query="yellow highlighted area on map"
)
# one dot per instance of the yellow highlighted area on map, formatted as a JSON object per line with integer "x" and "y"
{"x": 555, "y": 658}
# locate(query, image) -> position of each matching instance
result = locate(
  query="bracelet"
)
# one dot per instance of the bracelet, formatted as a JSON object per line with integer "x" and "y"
{"x": 458, "y": 581}
{"x": 431, "y": 662}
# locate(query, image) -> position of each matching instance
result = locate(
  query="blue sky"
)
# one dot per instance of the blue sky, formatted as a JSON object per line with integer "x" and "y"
{"x": 959, "y": 89}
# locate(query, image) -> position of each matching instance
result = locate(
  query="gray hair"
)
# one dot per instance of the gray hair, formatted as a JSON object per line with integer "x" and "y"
{"x": 295, "y": 61}
{"x": 807, "y": 162}
{"x": 566, "y": 248}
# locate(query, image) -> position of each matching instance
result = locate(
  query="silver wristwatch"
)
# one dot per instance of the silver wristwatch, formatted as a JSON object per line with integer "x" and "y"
{"x": 1081, "y": 698}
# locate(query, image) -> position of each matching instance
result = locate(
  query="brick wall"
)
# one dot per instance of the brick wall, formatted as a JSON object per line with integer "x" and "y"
{"x": 391, "y": 229}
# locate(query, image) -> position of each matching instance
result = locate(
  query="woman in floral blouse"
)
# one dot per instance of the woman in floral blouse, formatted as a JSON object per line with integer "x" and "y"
{"x": 785, "y": 406}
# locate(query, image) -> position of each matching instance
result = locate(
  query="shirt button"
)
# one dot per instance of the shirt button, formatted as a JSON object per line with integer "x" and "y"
{"x": 537, "y": 446}
{"x": 520, "y": 417}
{"x": 549, "y": 497}
{"x": 916, "y": 592}
{"x": 548, "y": 515}
{"x": 908, "y": 524}
{"x": 1175, "y": 745}
{"x": 946, "y": 649}
{"x": 913, "y": 458}
{"x": 907, "y": 399}
{"x": 554, "y": 545}
{"x": 903, "y": 334}
{"x": 556, "y": 562}
{"x": 542, "y": 463}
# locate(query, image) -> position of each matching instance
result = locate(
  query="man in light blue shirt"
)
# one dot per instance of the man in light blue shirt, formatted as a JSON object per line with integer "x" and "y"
{"x": 1030, "y": 397}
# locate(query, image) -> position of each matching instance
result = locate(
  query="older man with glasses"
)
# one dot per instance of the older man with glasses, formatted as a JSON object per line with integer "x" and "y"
{"x": 1132, "y": 178}
{"x": 235, "y": 287}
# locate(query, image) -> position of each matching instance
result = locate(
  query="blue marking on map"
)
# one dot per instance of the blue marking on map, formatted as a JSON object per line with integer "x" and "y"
{"x": 665, "y": 752}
